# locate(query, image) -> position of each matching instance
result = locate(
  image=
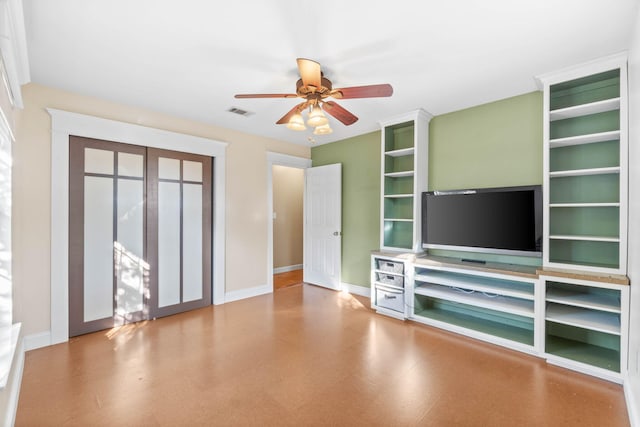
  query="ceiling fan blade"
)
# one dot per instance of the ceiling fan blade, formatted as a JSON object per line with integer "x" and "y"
{"x": 285, "y": 119}
{"x": 371, "y": 91}
{"x": 339, "y": 113}
{"x": 310, "y": 72}
{"x": 266, "y": 95}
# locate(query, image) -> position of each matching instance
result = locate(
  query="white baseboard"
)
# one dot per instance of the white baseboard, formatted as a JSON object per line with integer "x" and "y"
{"x": 287, "y": 268}
{"x": 631, "y": 395}
{"x": 34, "y": 341}
{"x": 356, "y": 289}
{"x": 247, "y": 293}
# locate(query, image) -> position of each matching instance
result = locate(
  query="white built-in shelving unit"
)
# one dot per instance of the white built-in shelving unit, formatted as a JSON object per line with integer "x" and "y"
{"x": 585, "y": 167}
{"x": 404, "y": 150}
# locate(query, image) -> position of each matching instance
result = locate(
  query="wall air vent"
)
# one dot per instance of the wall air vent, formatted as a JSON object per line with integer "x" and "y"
{"x": 239, "y": 111}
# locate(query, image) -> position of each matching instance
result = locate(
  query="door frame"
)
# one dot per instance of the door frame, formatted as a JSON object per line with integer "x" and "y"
{"x": 65, "y": 124}
{"x": 279, "y": 160}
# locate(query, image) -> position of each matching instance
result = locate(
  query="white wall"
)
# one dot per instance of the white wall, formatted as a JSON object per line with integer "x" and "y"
{"x": 633, "y": 385}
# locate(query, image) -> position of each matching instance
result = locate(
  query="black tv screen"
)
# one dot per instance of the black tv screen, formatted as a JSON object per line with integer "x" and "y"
{"x": 506, "y": 220}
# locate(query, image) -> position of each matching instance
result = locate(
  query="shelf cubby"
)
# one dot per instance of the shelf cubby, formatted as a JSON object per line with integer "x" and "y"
{"x": 597, "y": 355}
{"x": 603, "y": 154}
{"x": 398, "y": 234}
{"x": 585, "y": 90}
{"x": 584, "y": 253}
{"x": 585, "y": 221}
{"x": 593, "y": 188}
{"x": 399, "y": 136}
{"x": 398, "y": 207}
{"x": 398, "y": 185}
{"x": 591, "y": 124}
{"x": 394, "y": 164}
{"x": 494, "y": 323}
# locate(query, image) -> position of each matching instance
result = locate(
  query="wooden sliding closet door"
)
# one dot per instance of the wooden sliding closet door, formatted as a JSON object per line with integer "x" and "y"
{"x": 139, "y": 233}
{"x": 107, "y": 268}
{"x": 179, "y": 231}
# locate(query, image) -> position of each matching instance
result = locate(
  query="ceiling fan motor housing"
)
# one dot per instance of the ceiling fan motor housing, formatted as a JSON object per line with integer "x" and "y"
{"x": 307, "y": 91}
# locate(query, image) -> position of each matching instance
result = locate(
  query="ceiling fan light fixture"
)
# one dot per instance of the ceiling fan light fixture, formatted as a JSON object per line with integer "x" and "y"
{"x": 296, "y": 122}
{"x": 317, "y": 117}
{"x": 322, "y": 130}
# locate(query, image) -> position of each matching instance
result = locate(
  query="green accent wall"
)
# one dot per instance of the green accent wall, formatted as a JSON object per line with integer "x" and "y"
{"x": 360, "y": 159}
{"x": 491, "y": 145}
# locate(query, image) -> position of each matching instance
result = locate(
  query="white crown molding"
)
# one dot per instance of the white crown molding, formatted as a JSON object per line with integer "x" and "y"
{"x": 13, "y": 47}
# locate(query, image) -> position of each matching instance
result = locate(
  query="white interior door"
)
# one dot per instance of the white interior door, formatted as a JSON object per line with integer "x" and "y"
{"x": 323, "y": 226}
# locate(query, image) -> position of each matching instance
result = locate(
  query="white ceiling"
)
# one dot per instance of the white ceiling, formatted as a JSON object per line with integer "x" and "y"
{"x": 188, "y": 58}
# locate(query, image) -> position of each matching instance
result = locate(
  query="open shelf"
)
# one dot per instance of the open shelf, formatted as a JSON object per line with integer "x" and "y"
{"x": 475, "y": 283}
{"x": 584, "y": 238}
{"x": 513, "y": 328}
{"x": 584, "y": 139}
{"x": 399, "y": 196}
{"x": 583, "y": 352}
{"x": 584, "y": 205}
{"x": 594, "y": 320}
{"x": 585, "y": 109}
{"x": 584, "y": 172}
{"x": 602, "y": 302}
{"x": 495, "y": 302}
{"x": 399, "y": 174}
{"x": 401, "y": 152}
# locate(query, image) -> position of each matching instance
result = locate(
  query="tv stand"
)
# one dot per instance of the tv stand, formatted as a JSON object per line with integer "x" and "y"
{"x": 490, "y": 301}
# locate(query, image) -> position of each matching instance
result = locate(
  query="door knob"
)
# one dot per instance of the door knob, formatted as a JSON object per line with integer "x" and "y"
{"x": 336, "y": 233}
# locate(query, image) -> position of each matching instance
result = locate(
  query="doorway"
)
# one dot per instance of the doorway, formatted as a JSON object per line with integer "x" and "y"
{"x": 288, "y": 211}
{"x": 278, "y": 159}
{"x": 139, "y": 233}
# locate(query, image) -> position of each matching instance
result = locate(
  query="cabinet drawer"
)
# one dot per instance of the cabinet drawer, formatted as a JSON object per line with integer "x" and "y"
{"x": 390, "y": 299}
{"x": 390, "y": 266}
{"x": 390, "y": 279}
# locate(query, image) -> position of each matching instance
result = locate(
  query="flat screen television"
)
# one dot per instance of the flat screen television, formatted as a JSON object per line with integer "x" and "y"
{"x": 505, "y": 220}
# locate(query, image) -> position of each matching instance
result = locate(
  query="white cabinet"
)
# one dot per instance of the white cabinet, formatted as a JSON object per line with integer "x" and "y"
{"x": 405, "y": 150}
{"x": 388, "y": 283}
{"x": 586, "y": 323}
{"x": 585, "y": 167}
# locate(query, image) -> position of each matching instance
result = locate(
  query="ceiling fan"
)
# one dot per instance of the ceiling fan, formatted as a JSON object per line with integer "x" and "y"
{"x": 314, "y": 88}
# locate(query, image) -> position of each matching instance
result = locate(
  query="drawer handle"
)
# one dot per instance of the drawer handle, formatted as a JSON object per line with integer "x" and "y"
{"x": 390, "y": 277}
{"x": 390, "y": 264}
{"x": 389, "y": 296}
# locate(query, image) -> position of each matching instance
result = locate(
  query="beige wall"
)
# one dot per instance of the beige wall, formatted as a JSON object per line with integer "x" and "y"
{"x": 288, "y": 191}
{"x": 246, "y": 189}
